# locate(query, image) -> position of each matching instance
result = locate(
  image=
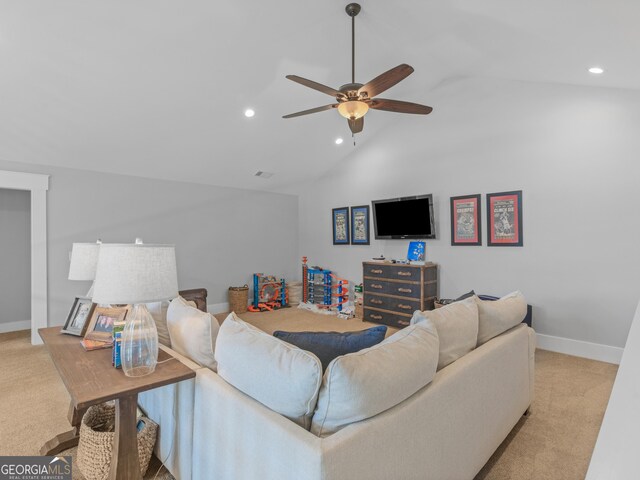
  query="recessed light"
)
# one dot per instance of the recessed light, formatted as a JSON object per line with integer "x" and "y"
{"x": 338, "y": 141}
{"x": 249, "y": 113}
{"x": 596, "y": 70}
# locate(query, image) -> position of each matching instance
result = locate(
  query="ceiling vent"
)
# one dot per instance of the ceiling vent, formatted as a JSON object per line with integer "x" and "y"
{"x": 262, "y": 174}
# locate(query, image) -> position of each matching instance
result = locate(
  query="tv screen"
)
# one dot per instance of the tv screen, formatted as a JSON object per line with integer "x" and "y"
{"x": 407, "y": 217}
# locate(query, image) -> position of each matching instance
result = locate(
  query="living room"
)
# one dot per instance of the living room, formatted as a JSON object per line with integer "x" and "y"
{"x": 136, "y": 115}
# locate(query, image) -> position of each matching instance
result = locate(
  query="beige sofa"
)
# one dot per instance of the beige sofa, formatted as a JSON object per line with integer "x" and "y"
{"x": 447, "y": 430}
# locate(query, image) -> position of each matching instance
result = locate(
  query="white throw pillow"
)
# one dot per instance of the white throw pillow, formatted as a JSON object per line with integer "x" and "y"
{"x": 279, "y": 375}
{"x": 193, "y": 332}
{"x": 360, "y": 385}
{"x": 158, "y": 311}
{"x": 498, "y": 316}
{"x": 457, "y": 326}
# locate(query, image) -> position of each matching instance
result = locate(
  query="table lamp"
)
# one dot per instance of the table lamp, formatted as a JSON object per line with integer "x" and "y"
{"x": 136, "y": 274}
{"x": 84, "y": 258}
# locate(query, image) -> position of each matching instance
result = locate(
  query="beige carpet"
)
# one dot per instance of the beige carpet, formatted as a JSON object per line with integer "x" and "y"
{"x": 554, "y": 442}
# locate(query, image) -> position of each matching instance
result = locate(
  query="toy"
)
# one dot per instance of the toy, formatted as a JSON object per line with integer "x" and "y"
{"x": 268, "y": 293}
{"x": 318, "y": 285}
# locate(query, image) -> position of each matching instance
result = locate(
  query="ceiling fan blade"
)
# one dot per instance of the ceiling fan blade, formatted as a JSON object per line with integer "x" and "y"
{"x": 312, "y": 110}
{"x": 356, "y": 126}
{"x": 315, "y": 85}
{"x": 399, "y": 107}
{"x": 387, "y": 80}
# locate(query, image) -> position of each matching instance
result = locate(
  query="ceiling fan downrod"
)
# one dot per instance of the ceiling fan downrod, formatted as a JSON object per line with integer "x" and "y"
{"x": 352, "y": 10}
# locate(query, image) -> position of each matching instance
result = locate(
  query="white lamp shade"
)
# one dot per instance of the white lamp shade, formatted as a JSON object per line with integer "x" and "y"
{"x": 129, "y": 273}
{"x": 84, "y": 258}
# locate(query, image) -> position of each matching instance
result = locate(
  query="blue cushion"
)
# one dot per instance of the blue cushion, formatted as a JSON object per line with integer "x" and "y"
{"x": 329, "y": 345}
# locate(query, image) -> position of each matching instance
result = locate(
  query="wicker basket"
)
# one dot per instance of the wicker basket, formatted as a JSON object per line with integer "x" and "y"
{"x": 94, "y": 448}
{"x": 295, "y": 292}
{"x": 238, "y": 299}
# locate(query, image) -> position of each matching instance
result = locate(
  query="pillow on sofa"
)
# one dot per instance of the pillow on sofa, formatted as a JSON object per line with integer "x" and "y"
{"x": 158, "y": 311}
{"x": 360, "y": 385}
{"x": 500, "y": 315}
{"x": 282, "y": 377}
{"x": 457, "y": 326}
{"x": 192, "y": 332}
{"x": 329, "y": 345}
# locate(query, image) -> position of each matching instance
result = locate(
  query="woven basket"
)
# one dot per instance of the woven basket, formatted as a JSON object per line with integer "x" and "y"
{"x": 295, "y": 292}
{"x": 238, "y": 299}
{"x": 94, "y": 448}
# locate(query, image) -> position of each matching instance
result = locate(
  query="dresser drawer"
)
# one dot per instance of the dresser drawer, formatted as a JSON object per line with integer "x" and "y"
{"x": 401, "y": 289}
{"x": 386, "y": 318}
{"x": 407, "y": 306}
{"x": 394, "y": 272}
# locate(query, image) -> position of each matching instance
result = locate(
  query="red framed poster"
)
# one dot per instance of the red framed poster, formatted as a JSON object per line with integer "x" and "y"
{"x": 465, "y": 220}
{"x": 504, "y": 219}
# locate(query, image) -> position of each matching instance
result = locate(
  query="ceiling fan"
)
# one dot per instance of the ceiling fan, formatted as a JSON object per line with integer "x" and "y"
{"x": 355, "y": 99}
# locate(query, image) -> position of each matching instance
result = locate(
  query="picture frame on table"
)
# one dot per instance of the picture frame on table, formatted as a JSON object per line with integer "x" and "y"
{"x": 340, "y": 220}
{"x": 360, "y": 225}
{"x": 79, "y": 316}
{"x": 100, "y": 326}
{"x": 504, "y": 219}
{"x": 466, "y": 220}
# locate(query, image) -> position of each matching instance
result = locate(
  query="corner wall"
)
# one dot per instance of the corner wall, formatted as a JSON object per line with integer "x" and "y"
{"x": 574, "y": 153}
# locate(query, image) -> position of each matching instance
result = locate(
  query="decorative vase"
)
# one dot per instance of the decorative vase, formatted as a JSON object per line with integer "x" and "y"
{"x": 139, "y": 350}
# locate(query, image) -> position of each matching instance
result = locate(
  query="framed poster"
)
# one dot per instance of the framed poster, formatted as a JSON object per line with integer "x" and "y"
{"x": 504, "y": 219}
{"x": 360, "y": 225}
{"x": 466, "y": 224}
{"x": 340, "y": 217}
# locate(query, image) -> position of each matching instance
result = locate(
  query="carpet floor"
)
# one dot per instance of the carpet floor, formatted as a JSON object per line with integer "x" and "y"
{"x": 554, "y": 441}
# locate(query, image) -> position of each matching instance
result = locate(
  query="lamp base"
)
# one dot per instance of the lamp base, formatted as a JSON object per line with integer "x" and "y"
{"x": 139, "y": 351}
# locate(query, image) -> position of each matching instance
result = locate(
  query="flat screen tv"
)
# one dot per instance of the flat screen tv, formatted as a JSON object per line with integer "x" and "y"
{"x": 406, "y": 217}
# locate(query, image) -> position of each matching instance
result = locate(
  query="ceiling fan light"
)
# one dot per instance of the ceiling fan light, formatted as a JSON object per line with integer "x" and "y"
{"x": 353, "y": 109}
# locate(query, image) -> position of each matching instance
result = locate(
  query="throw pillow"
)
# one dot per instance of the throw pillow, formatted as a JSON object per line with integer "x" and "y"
{"x": 500, "y": 315}
{"x": 360, "y": 385}
{"x": 192, "y": 332}
{"x": 282, "y": 377}
{"x": 457, "y": 326}
{"x": 329, "y": 345}
{"x": 158, "y": 311}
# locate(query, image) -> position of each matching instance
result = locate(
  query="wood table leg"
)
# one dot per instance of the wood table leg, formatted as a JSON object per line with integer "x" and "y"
{"x": 124, "y": 459}
{"x": 66, "y": 440}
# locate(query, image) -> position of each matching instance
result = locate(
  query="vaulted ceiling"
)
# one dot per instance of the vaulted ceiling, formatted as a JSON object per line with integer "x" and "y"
{"x": 158, "y": 88}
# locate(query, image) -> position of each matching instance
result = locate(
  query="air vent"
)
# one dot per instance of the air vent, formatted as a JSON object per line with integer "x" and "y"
{"x": 262, "y": 174}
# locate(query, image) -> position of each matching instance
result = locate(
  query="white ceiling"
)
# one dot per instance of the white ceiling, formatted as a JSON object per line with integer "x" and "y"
{"x": 157, "y": 88}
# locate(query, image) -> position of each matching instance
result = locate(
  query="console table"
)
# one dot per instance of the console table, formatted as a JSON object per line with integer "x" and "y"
{"x": 393, "y": 291}
{"x": 90, "y": 379}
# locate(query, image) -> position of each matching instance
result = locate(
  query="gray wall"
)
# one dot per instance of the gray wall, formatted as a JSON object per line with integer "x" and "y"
{"x": 574, "y": 153}
{"x": 222, "y": 235}
{"x": 15, "y": 256}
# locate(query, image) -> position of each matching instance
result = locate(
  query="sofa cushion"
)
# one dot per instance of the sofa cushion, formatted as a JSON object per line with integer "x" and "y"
{"x": 158, "y": 311}
{"x": 192, "y": 332}
{"x": 496, "y": 317}
{"x": 329, "y": 345}
{"x": 279, "y": 375}
{"x": 360, "y": 385}
{"x": 457, "y": 326}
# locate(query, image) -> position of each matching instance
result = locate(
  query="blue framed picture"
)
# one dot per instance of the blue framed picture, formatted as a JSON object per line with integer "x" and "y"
{"x": 360, "y": 225}
{"x": 340, "y": 217}
{"x": 416, "y": 252}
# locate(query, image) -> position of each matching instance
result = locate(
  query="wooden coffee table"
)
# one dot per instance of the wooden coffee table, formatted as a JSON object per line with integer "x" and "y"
{"x": 90, "y": 380}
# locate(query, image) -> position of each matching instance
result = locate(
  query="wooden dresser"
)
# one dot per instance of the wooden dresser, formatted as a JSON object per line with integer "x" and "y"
{"x": 393, "y": 291}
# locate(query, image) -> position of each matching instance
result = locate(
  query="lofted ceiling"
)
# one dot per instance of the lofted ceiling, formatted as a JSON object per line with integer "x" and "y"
{"x": 157, "y": 88}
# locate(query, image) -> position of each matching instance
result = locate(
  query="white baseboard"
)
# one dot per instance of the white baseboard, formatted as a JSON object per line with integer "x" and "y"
{"x": 218, "y": 307}
{"x": 15, "y": 326}
{"x": 578, "y": 348}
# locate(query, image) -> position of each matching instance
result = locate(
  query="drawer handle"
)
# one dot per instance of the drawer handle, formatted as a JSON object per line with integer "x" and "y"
{"x": 376, "y": 317}
{"x": 404, "y": 290}
{"x": 403, "y": 322}
{"x": 375, "y": 271}
{"x": 376, "y": 302}
{"x": 404, "y": 274}
{"x": 376, "y": 285}
{"x": 403, "y": 306}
